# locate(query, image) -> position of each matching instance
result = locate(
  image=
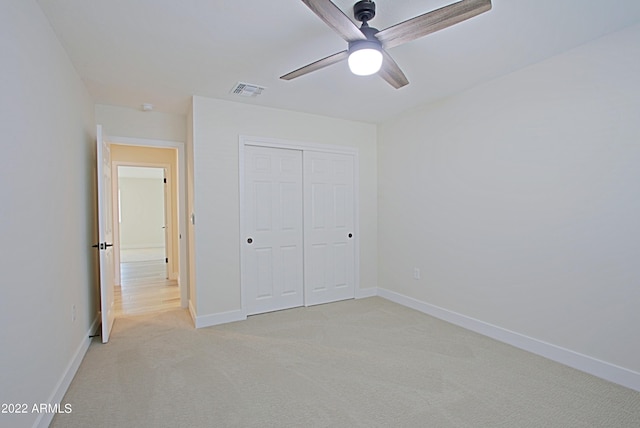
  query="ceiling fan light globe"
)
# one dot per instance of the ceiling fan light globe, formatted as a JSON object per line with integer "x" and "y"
{"x": 364, "y": 62}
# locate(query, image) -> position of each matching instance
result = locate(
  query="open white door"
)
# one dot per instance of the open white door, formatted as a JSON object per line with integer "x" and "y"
{"x": 105, "y": 235}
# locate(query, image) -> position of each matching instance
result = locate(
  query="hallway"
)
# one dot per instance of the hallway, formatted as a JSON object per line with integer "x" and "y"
{"x": 145, "y": 287}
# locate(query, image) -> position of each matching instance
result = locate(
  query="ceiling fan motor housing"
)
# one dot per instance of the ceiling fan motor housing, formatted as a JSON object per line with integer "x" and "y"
{"x": 364, "y": 10}
{"x": 371, "y": 42}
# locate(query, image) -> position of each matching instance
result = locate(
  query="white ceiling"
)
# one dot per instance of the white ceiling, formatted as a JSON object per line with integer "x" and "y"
{"x": 163, "y": 51}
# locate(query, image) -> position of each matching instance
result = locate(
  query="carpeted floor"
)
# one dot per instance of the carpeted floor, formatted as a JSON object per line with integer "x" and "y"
{"x": 357, "y": 363}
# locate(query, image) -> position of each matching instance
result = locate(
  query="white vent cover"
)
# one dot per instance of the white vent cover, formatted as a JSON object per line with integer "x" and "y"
{"x": 247, "y": 89}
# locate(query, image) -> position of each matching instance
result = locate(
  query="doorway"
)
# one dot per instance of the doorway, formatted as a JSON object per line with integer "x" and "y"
{"x": 148, "y": 246}
{"x": 145, "y": 244}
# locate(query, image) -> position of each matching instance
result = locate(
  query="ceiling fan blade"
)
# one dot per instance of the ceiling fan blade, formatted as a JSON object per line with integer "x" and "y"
{"x": 431, "y": 22}
{"x": 321, "y": 63}
{"x": 336, "y": 19}
{"x": 391, "y": 72}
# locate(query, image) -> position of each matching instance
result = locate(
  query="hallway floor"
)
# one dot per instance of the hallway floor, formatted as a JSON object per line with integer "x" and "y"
{"x": 145, "y": 287}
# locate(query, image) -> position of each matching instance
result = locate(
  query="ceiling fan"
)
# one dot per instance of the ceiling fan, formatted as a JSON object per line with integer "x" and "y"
{"x": 367, "y": 46}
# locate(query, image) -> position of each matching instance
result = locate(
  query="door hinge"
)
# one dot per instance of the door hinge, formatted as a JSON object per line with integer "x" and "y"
{"x": 166, "y": 260}
{"x": 165, "y": 181}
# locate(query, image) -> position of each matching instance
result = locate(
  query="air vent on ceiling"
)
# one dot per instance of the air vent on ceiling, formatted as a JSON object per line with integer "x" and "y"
{"x": 247, "y": 89}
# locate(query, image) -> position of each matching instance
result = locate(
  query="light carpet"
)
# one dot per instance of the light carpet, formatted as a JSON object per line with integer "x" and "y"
{"x": 356, "y": 363}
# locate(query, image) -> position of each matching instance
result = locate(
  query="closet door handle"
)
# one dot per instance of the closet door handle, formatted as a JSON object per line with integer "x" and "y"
{"x": 249, "y": 240}
{"x": 351, "y": 235}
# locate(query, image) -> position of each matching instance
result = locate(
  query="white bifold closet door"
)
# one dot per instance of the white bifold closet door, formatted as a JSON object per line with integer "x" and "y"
{"x": 273, "y": 247}
{"x": 298, "y": 218}
{"x": 328, "y": 227}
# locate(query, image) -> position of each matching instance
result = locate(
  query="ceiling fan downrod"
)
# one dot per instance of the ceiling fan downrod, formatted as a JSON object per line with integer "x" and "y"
{"x": 364, "y": 10}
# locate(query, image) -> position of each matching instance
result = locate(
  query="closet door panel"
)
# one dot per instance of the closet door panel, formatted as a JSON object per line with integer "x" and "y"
{"x": 272, "y": 248}
{"x": 329, "y": 226}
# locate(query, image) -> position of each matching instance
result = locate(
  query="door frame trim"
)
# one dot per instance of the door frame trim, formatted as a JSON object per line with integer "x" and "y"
{"x": 277, "y": 143}
{"x": 182, "y": 201}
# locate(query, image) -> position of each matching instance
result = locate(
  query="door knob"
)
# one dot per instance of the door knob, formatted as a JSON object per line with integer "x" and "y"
{"x": 351, "y": 235}
{"x": 102, "y": 246}
{"x": 249, "y": 241}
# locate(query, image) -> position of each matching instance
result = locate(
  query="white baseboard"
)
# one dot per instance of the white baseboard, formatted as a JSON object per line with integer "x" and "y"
{"x": 44, "y": 419}
{"x": 585, "y": 363}
{"x": 201, "y": 321}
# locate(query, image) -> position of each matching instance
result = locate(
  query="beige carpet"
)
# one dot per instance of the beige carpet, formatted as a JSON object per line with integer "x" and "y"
{"x": 357, "y": 363}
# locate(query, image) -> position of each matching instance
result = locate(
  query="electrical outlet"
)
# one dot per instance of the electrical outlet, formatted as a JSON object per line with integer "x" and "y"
{"x": 416, "y": 273}
{"x": 73, "y": 313}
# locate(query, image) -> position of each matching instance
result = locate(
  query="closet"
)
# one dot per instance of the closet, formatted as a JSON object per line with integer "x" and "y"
{"x": 297, "y": 226}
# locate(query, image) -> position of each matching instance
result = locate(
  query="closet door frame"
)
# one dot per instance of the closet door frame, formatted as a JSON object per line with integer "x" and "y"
{"x": 245, "y": 140}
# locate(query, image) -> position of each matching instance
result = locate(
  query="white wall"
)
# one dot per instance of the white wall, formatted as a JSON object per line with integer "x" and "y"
{"x": 216, "y": 128}
{"x": 519, "y": 201}
{"x": 142, "y": 212}
{"x": 47, "y": 213}
{"x": 152, "y": 125}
